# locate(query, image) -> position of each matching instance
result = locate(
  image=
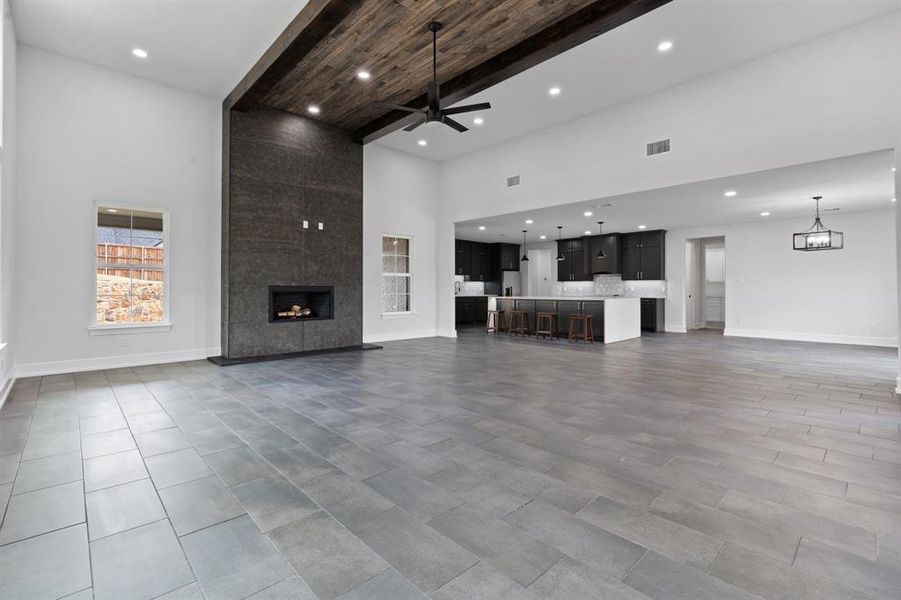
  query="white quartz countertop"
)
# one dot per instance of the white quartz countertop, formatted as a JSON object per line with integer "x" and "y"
{"x": 573, "y": 298}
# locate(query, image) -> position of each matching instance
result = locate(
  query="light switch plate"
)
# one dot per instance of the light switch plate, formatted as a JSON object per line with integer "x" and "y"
{"x": 306, "y": 224}
{"x": 321, "y": 227}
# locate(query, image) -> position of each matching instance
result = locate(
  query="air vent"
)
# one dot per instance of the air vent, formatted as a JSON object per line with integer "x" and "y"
{"x": 658, "y": 147}
{"x": 513, "y": 181}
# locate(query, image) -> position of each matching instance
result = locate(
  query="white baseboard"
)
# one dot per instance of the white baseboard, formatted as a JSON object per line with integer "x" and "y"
{"x": 399, "y": 335}
{"x": 826, "y": 338}
{"x": 113, "y": 362}
{"x": 675, "y": 329}
{"x": 451, "y": 333}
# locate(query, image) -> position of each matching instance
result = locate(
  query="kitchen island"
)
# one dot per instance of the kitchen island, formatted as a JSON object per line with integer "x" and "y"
{"x": 614, "y": 318}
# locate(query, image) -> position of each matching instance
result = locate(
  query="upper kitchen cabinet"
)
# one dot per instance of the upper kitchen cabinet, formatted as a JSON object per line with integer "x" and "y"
{"x": 573, "y": 267}
{"x": 610, "y": 244}
{"x": 480, "y": 269}
{"x": 473, "y": 259}
{"x": 463, "y": 260}
{"x": 643, "y": 255}
{"x": 504, "y": 257}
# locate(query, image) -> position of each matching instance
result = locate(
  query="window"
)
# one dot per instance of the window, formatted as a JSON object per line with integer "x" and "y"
{"x": 397, "y": 286}
{"x": 131, "y": 266}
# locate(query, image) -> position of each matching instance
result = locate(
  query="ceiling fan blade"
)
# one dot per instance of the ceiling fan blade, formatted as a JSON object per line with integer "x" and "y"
{"x": 408, "y": 109}
{"x": 468, "y": 108}
{"x": 454, "y": 124}
{"x": 434, "y": 97}
{"x": 414, "y": 125}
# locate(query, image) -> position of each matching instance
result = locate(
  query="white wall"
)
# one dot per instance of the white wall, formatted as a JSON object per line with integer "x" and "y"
{"x": 7, "y": 204}
{"x": 834, "y": 96}
{"x": 843, "y": 296}
{"x": 87, "y": 133}
{"x": 400, "y": 196}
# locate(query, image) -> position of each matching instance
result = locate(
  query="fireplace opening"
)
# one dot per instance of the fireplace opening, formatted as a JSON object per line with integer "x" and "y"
{"x": 300, "y": 303}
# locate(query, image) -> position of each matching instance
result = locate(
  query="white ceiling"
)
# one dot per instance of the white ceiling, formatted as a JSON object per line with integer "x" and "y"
{"x": 708, "y": 36}
{"x": 852, "y": 184}
{"x": 204, "y": 46}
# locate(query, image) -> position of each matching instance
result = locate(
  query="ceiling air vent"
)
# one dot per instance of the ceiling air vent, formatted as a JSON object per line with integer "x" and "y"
{"x": 658, "y": 147}
{"x": 513, "y": 181}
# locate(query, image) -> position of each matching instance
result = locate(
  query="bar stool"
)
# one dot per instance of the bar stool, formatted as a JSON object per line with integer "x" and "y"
{"x": 519, "y": 322}
{"x": 550, "y": 321}
{"x": 584, "y": 332}
{"x": 497, "y": 321}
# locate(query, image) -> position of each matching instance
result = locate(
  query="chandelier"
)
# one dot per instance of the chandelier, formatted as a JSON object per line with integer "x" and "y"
{"x": 818, "y": 236}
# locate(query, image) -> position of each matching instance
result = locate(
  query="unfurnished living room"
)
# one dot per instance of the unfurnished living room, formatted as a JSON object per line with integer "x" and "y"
{"x": 450, "y": 299}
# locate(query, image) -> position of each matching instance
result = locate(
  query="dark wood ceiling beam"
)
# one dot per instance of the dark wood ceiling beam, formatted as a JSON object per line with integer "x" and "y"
{"x": 312, "y": 25}
{"x": 589, "y": 22}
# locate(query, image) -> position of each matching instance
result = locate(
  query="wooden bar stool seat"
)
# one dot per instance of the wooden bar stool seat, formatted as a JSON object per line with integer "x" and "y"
{"x": 497, "y": 321}
{"x": 546, "y": 325}
{"x": 581, "y": 328}
{"x": 519, "y": 322}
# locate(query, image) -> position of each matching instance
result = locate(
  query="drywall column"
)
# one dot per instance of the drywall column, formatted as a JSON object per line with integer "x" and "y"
{"x": 898, "y": 250}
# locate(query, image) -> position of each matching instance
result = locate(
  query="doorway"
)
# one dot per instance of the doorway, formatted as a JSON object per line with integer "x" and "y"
{"x": 705, "y": 268}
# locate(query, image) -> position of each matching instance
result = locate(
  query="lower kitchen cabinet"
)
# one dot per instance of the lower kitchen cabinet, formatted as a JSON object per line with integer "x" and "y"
{"x": 471, "y": 309}
{"x": 653, "y": 314}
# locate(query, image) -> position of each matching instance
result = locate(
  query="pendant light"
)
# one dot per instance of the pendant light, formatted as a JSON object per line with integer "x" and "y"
{"x": 524, "y": 257}
{"x": 560, "y": 256}
{"x": 818, "y": 236}
{"x": 601, "y": 247}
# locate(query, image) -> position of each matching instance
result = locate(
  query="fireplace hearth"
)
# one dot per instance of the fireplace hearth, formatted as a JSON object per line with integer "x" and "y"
{"x": 289, "y": 303}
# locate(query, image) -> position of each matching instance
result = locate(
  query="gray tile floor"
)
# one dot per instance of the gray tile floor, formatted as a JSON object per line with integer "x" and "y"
{"x": 484, "y": 467}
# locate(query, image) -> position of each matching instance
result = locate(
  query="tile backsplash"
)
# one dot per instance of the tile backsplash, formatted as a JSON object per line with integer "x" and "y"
{"x": 469, "y": 288}
{"x": 611, "y": 285}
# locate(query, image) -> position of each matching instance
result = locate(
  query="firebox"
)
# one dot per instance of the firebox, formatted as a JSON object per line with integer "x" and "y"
{"x": 300, "y": 303}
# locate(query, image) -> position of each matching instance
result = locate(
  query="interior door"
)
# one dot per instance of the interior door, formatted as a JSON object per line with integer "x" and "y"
{"x": 540, "y": 274}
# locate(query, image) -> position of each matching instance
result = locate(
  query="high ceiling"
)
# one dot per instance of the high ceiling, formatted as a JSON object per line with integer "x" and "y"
{"x": 204, "y": 46}
{"x": 852, "y": 184}
{"x": 624, "y": 64}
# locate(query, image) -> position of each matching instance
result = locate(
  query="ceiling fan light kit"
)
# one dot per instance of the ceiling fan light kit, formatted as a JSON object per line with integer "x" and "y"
{"x": 434, "y": 112}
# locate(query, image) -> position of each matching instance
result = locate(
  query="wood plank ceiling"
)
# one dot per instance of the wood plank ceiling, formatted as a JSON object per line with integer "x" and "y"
{"x": 483, "y": 42}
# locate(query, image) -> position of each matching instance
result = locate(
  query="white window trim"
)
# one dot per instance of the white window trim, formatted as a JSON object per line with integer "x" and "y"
{"x": 96, "y": 328}
{"x": 410, "y": 275}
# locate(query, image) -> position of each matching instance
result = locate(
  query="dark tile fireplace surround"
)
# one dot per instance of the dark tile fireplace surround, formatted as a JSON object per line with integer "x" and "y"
{"x": 283, "y": 175}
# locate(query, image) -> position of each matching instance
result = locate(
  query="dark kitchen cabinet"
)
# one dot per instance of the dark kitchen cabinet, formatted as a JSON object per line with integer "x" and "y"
{"x": 653, "y": 314}
{"x": 643, "y": 255}
{"x": 508, "y": 257}
{"x": 463, "y": 261}
{"x": 507, "y": 305}
{"x": 471, "y": 309}
{"x": 565, "y": 309}
{"x": 610, "y": 243}
{"x": 596, "y": 310}
{"x": 573, "y": 266}
{"x": 479, "y": 262}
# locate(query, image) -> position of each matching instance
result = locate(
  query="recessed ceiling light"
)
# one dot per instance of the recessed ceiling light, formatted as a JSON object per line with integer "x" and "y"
{"x": 481, "y": 228}
{"x": 313, "y": 109}
{"x": 730, "y": 193}
{"x": 894, "y": 169}
{"x": 587, "y": 233}
{"x": 894, "y": 199}
{"x": 139, "y": 52}
{"x": 422, "y": 143}
{"x": 529, "y": 221}
{"x": 665, "y": 46}
{"x": 478, "y": 120}
{"x": 587, "y": 213}
{"x": 542, "y": 237}
{"x": 554, "y": 91}
{"x": 642, "y": 226}
{"x": 112, "y": 210}
{"x": 363, "y": 75}
{"x": 764, "y": 214}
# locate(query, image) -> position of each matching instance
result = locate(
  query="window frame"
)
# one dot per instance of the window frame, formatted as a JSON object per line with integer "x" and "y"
{"x": 97, "y": 328}
{"x": 409, "y": 275}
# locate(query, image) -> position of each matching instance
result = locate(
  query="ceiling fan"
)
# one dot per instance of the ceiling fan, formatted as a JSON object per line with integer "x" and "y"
{"x": 433, "y": 113}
